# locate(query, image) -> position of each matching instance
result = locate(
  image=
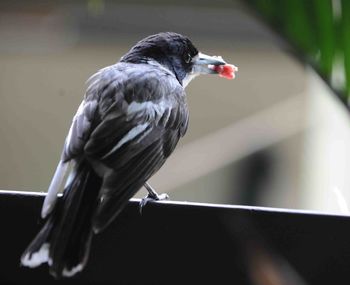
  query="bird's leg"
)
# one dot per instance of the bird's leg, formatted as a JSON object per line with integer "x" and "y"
{"x": 152, "y": 196}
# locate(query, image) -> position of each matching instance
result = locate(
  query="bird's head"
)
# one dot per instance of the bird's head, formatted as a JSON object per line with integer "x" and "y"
{"x": 176, "y": 53}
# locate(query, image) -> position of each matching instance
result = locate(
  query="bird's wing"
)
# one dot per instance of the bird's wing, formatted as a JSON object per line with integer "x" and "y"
{"x": 78, "y": 134}
{"x": 136, "y": 134}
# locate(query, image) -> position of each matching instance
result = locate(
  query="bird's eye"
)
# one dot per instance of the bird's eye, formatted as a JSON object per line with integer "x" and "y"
{"x": 187, "y": 58}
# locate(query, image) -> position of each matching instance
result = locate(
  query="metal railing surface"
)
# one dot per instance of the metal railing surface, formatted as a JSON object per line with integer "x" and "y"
{"x": 189, "y": 243}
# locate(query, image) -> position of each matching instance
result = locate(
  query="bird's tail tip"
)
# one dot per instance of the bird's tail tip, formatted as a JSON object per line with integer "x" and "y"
{"x": 72, "y": 271}
{"x": 65, "y": 238}
{"x": 33, "y": 258}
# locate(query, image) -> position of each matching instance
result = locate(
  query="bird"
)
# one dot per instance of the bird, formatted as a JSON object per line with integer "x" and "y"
{"x": 130, "y": 120}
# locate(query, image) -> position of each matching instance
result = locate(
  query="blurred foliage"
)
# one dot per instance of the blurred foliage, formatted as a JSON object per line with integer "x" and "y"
{"x": 320, "y": 30}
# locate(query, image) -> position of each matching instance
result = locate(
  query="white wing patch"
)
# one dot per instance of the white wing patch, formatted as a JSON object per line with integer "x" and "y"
{"x": 154, "y": 110}
{"x": 128, "y": 137}
{"x": 78, "y": 113}
{"x": 55, "y": 187}
{"x": 148, "y": 106}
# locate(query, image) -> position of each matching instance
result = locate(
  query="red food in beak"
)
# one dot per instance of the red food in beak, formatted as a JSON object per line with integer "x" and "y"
{"x": 227, "y": 71}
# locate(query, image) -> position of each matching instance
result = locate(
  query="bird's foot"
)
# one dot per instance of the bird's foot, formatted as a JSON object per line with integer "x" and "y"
{"x": 152, "y": 197}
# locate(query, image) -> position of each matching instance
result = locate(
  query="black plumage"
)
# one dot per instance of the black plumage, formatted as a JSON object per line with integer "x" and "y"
{"x": 130, "y": 121}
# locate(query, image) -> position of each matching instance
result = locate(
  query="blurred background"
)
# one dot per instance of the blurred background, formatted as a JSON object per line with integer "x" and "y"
{"x": 276, "y": 136}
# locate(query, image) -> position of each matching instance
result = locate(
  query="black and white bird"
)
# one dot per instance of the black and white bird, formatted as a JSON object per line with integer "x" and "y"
{"x": 133, "y": 114}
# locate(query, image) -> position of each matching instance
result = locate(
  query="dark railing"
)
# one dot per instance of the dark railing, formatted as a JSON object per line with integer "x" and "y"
{"x": 189, "y": 243}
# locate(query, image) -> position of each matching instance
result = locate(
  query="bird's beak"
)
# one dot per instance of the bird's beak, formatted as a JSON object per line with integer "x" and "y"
{"x": 203, "y": 64}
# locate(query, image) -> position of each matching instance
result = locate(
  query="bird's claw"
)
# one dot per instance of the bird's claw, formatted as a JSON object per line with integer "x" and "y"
{"x": 149, "y": 197}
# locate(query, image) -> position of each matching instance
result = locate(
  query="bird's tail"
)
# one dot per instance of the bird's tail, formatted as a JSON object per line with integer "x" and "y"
{"x": 64, "y": 240}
